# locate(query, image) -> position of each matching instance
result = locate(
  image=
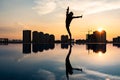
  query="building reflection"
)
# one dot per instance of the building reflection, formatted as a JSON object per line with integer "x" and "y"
{"x": 117, "y": 45}
{"x": 96, "y": 47}
{"x": 26, "y": 48}
{"x": 64, "y": 45}
{"x": 37, "y": 47}
{"x": 41, "y": 47}
{"x": 44, "y": 47}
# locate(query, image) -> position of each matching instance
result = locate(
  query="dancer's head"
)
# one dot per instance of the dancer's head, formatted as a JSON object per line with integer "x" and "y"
{"x": 71, "y": 13}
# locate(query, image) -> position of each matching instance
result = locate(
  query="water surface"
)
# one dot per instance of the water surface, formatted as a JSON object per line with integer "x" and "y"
{"x": 48, "y": 62}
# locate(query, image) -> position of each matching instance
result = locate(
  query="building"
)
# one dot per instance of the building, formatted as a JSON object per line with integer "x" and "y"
{"x": 35, "y": 37}
{"x": 64, "y": 39}
{"x": 90, "y": 38}
{"x": 51, "y": 38}
{"x": 99, "y": 37}
{"x": 26, "y": 36}
{"x": 41, "y": 38}
{"x": 46, "y": 38}
{"x": 116, "y": 40}
{"x": 3, "y": 41}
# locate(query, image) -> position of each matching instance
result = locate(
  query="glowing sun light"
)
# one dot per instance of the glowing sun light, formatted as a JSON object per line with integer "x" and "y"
{"x": 100, "y": 29}
{"x": 100, "y": 53}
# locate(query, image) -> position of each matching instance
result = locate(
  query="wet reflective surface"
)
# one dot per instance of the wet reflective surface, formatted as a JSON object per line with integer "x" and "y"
{"x": 50, "y": 62}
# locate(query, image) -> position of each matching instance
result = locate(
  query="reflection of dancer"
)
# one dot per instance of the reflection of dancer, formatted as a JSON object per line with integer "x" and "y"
{"x": 69, "y": 17}
{"x": 69, "y": 68}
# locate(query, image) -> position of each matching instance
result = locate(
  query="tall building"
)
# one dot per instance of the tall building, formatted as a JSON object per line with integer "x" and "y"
{"x": 64, "y": 38}
{"x": 26, "y": 36}
{"x": 51, "y": 38}
{"x": 100, "y": 36}
{"x": 35, "y": 37}
{"x": 96, "y": 37}
{"x": 90, "y": 38}
{"x": 41, "y": 38}
{"x": 46, "y": 38}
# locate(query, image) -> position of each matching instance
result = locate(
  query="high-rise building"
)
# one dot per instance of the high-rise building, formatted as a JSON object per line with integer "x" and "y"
{"x": 46, "y": 38}
{"x": 41, "y": 37}
{"x": 64, "y": 38}
{"x": 35, "y": 37}
{"x": 100, "y": 36}
{"x": 51, "y": 38}
{"x": 96, "y": 37}
{"x": 26, "y": 36}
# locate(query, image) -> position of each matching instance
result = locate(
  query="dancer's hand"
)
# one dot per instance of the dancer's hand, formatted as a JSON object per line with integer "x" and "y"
{"x": 81, "y": 16}
{"x": 68, "y": 8}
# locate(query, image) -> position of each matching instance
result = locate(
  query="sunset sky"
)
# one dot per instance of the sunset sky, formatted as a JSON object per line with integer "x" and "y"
{"x": 49, "y": 16}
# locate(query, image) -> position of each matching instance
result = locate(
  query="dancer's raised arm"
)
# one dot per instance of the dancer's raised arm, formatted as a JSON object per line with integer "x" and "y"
{"x": 78, "y": 16}
{"x": 67, "y": 12}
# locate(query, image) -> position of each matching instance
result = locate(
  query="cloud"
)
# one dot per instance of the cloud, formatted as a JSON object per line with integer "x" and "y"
{"x": 44, "y": 75}
{"x": 85, "y": 6}
{"x": 44, "y": 6}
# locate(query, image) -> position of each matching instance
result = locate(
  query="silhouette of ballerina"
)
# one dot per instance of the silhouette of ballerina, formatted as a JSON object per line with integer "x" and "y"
{"x": 69, "y": 68}
{"x": 69, "y": 17}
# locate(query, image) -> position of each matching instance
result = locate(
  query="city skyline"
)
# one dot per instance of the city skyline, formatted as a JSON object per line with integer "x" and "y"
{"x": 49, "y": 17}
